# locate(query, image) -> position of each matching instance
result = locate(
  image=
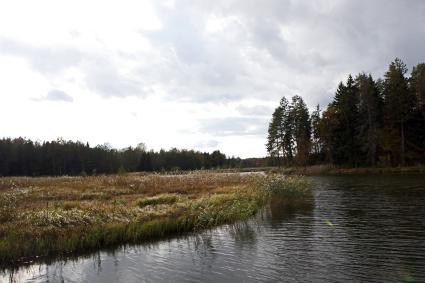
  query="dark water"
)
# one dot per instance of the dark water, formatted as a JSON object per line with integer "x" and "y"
{"x": 357, "y": 229}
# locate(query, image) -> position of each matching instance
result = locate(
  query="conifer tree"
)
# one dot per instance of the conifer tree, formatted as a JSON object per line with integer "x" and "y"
{"x": 301, "y": 129}
{"x": 316, "y": 139}
{"x": 273, "y": 139}
{"x": 344, "y": 145}
{"x": 417, "y": 83}
{"x": 397, "y": 110}
{"x": 286, "y": 131}
{"x": 370, "y": 111}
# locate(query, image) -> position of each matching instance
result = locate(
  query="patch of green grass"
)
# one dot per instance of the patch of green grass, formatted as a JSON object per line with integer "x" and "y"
{"x": 160, "y": 199}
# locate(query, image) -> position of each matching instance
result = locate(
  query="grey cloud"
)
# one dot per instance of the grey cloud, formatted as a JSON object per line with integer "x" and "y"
{"x": 257, "y": 110}
{"x": 104, "y": 78}
{"x": 43, "y": 59}
{"x": 57, "y": 95}
{"x": 205, "y": 144}
{"x": 332, "y": 39}
{"x": 235, "y": 126}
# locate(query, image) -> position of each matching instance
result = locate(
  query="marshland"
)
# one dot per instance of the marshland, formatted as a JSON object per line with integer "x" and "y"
{"x": 55, "y": 216}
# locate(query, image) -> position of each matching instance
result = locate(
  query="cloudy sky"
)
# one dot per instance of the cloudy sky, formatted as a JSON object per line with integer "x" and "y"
{"x": 188, "y": 74}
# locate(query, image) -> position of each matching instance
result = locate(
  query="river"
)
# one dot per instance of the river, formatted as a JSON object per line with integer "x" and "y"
{"x": 357, "y": 229}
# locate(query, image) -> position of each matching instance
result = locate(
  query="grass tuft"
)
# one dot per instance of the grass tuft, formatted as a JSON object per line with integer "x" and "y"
{"x": 160, "y": 199}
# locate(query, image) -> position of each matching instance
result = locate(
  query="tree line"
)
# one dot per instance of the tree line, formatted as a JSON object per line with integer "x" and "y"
{"x": 368, "y": 123}
{"x": 23, "y": 157}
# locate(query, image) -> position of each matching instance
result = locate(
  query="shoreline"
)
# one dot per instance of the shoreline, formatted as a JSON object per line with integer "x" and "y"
{"x": 318, "y": 170}
{"x": 326, "y": 169}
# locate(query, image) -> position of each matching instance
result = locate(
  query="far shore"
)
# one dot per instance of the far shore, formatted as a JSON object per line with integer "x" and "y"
{"x": 326, "y": 169}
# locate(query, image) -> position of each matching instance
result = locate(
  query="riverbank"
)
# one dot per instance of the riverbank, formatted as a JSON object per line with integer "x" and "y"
{"x": 326, "y": 169}
{"x": 44, "y": 217}
{"x": 333, "y": 170}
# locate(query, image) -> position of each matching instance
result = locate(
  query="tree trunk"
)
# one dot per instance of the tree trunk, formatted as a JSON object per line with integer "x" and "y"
{"x": 402, "y": 145}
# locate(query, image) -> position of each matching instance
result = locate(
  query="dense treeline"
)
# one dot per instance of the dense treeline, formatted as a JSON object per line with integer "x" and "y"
{"x": 23, "y": 157}
{"x": 368, "y": 123}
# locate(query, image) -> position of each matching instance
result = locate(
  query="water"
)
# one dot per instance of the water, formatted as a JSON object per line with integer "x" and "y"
{"x": 357, "y": 229}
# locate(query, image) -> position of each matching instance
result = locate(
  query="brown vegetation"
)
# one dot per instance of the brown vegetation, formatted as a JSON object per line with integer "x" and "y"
{"x": 53, "y": 216}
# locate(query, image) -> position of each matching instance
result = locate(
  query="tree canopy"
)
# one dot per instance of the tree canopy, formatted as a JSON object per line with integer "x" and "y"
{"x": 369, "y": 122}
{"x": 23, "y": 157}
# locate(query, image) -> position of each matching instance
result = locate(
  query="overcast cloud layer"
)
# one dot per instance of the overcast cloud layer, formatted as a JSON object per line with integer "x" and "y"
{"x": 190, "y": 74}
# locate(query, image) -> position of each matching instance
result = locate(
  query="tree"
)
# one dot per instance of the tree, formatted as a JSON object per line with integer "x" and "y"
{"x": 316, "y": 137}
{"x": 273, "y": 138}
{"x": 145, "y": 161}
{"x": 370, "y": 111}
{"x": 301, "y": 129}
{"x": 285, "y": 130}
{"x": 397, "y": 110}
{"x": 280, "y": 142}
{"x": 344, "y": 145}
{"x": 417, "y": 83}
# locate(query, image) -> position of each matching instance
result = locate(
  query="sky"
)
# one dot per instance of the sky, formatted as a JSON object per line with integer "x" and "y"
{"x": 201, "y": 75}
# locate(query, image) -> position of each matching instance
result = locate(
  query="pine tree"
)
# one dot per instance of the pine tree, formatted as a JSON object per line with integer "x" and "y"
{"x": 286, "y": 129}
{"x": 273, "y": 139}
{"x": 301, "y": 130}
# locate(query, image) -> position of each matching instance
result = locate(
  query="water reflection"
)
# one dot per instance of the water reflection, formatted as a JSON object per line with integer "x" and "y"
{"x": 354, "y": 228}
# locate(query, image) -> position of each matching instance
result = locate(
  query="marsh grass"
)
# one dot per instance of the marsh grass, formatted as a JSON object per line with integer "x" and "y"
{"x": 160, "y": 199}
{"x": 287, "y": 186}
{"x": 42, "y": 217}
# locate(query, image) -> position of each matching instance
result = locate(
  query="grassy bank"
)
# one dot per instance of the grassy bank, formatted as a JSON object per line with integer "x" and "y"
{"x": 41, "y": 217}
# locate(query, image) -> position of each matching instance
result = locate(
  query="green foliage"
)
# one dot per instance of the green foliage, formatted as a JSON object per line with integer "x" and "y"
{"x": 289, "y": 132}
{"x": 301, "y": 130}
{"x": 22, "y": 157}
{"x": 370, "y": 113}
{"x": 160, "y": 199}
{"x": 398, "y": 105}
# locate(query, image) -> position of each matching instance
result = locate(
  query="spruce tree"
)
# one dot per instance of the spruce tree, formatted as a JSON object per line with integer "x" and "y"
{"x": 344, "y": 142}
{"x": 370, "y": 110}
{"x": 397, "y": 110}
{"x": 417, "y": 83}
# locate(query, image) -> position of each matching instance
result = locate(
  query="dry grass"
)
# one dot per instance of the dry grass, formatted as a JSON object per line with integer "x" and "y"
{"x": 53, "y": 216}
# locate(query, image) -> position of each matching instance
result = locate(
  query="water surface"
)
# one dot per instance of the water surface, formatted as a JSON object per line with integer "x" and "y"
{"x": 356, "y": 228}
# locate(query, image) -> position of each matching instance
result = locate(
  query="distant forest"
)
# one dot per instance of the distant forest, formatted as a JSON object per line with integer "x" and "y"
{"x": 23, "y": 157}
{"x": 369, "y": 123}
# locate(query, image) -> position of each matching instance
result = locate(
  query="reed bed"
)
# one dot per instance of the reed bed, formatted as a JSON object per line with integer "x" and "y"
{"x": 53, "y": 216}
